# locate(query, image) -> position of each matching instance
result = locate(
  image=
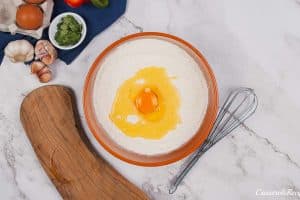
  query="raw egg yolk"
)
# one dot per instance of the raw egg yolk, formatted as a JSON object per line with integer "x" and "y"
{"x": 146, "y": 105}
{"x": 146, "y": 101}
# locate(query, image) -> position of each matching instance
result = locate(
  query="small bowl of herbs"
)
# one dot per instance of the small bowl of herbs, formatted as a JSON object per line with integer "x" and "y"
{"x": 67, "y": 31}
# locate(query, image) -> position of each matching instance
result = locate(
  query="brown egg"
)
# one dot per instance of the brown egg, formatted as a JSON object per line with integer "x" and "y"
{"x": 29, "y": 17}
{"x": 34, "y": 1}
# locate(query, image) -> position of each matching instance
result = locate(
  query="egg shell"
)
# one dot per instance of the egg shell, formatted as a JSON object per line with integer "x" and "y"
{"x": 35, "y": 1}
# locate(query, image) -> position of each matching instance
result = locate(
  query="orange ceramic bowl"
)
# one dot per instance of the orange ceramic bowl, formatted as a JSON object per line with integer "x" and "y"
{"x": 161, "y": 159}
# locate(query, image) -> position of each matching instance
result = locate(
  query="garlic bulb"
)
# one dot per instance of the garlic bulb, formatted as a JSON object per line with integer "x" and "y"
{"x": 19, "y": 51}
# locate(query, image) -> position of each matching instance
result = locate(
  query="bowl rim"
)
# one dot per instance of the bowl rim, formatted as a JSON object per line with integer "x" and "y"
{"x": 51, "y": 27}
{"x": 161, "y": 159}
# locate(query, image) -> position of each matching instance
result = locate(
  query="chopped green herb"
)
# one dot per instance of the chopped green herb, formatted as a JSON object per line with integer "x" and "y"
{"x": 68, "y": 31}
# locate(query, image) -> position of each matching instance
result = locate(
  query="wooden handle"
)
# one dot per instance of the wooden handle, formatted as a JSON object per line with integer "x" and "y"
{"x": 50, "y": 119}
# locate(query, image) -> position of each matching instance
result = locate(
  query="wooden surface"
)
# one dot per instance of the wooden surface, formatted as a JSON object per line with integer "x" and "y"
{"x": 49, "y": 117}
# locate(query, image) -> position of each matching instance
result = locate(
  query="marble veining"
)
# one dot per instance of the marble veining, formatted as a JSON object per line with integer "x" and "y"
{"x": 247, "y": 43}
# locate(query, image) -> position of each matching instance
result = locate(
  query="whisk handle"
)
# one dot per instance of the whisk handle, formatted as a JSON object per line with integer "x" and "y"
{"x": 184, "y": 172}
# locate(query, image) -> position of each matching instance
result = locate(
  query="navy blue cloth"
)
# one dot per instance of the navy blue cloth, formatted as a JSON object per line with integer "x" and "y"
{"x": 96, "y": 20}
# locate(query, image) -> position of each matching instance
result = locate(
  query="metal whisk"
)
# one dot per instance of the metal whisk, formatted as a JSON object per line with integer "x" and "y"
{"x": 239, "y": 106}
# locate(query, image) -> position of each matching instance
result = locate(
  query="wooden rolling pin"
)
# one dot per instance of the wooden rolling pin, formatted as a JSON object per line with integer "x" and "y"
{"x": 49, "y": 117}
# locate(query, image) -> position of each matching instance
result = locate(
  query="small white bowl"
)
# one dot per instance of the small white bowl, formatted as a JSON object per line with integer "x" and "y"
{"x": 53, "y": 30}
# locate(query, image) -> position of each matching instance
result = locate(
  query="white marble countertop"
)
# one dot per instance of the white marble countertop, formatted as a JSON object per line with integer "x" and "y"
{"x": 248, "y": 43}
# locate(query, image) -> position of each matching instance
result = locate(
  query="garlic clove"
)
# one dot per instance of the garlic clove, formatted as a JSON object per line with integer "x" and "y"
{"x": 46, "y": 77}
{"x": 44, "y": 70}
{"x": 36, "y": 66}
